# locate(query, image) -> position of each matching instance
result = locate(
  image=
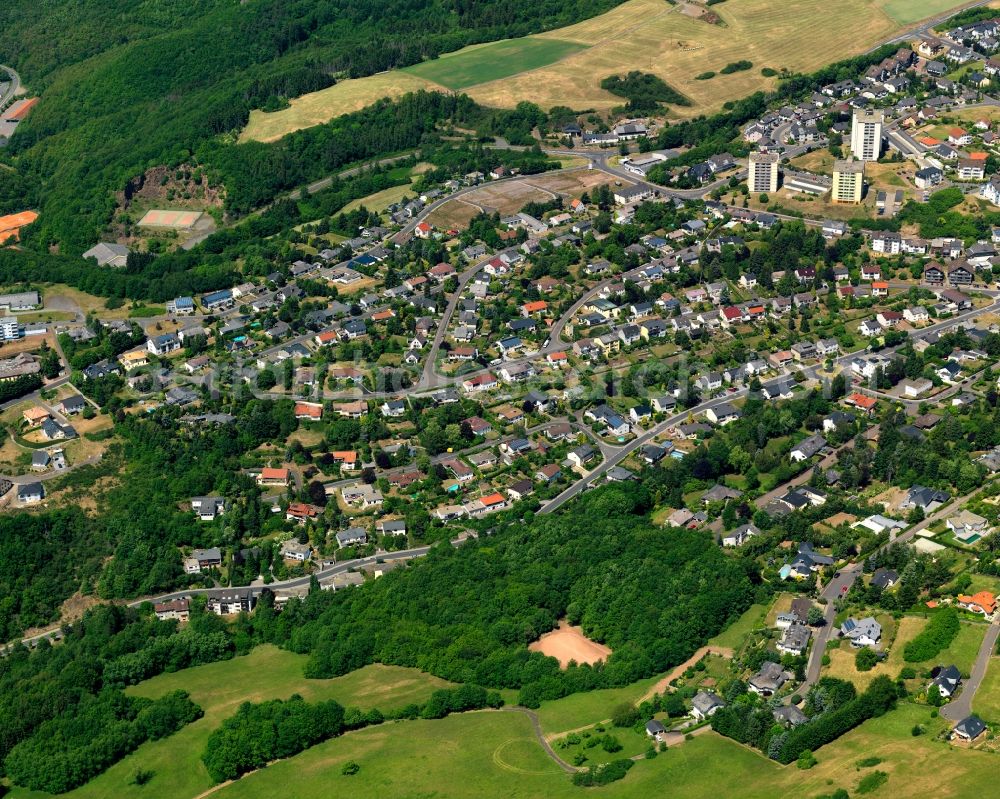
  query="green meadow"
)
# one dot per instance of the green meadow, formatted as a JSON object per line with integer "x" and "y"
{"x": 482, "y": 63}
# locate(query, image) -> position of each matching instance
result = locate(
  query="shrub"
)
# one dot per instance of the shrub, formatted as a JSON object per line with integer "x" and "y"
{"x": 935, "y": 637}
{"x": 643, "y": 91}
{"x": 865, "y": 659}
{"x": 736, "y": 66}
{"x": 872, "y": 782}
{"x": 806, "y": 760}
{"x": 625, "y": 715}
{"x": 705, "y": 76}
{"x": 868, "y": 762}
{"x": 767, "y": 72}
{"x": 142, "y": 776}
{"x": 603, "y": 775}
{"x": 349, "y": 768}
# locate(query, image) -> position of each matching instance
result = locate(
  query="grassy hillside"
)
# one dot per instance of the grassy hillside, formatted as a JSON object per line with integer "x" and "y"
{"x": 219, "y": 689}
{"x": 645, "y": 35}
{"x": 129, "y": 85}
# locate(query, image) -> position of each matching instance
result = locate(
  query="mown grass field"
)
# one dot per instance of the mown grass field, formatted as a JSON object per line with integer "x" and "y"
{"x": 485, "y": 62}
{"x": 908, "y": 11}
{"x": 495, "y": 754}
{"x": 566, "y": 66}
{"x": 987, "y": 700}
{"x": 219, "y": 688}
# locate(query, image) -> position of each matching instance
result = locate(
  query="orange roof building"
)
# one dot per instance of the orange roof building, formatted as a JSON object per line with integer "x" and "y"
{"x": 308, "y": 410}
{"x": 493, "y": 500}
{"x": 861, "y": 401}
{"x": 10, "y": 225}
{"x": 984, "y": 602}
{"x": 534, "y": 307}
{"x": 272, "y": 475}
{"x": 19, "y": 110}
{"x": 346, "y": 458}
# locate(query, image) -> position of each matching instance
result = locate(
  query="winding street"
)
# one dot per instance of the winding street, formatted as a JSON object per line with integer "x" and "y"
{"x": 13, "y": 85}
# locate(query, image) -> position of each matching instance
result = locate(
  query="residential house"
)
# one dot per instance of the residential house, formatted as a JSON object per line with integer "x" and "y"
{"x": 705, "y": 704}
{"x": 862, "y": 632}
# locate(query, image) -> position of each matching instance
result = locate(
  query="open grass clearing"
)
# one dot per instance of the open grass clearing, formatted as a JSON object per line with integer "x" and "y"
{"x": 380, "y": 200}
{"x": 481, "y": 63}
{"x": 584, "y": 709}
{"x": 219, "y": 688}
{"x": 962, "y": 653}
{"x": 734, "y": 635}
{"x": 59, "y": 296}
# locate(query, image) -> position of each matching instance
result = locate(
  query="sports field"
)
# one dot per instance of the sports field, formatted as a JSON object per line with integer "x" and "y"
{"x": 485, "y": 62}
{"x": 179, "y": 220}
{"x": 566, "y": 66}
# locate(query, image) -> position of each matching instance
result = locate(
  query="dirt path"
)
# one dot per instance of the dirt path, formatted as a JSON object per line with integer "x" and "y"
{"x": 536, "y": 724}
{"x": 663, "y": 684}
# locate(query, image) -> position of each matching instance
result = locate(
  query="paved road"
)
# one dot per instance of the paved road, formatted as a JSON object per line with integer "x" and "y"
{"x": 12, "y": 87}
{"x": 962, "y": 707}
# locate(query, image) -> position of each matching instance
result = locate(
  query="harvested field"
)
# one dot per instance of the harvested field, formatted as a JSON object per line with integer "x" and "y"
{"x": 344, "y": 97}
{"x": 571, "y": 183}
{"x": 507, "y": 197}
{"x": 453, "y": 214}
{"x": 567, "y": 643}
{"x": 650, "y": 36}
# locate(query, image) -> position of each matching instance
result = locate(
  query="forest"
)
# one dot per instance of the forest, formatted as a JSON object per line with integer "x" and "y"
{"x": 255, "y": 240}
{"x": 177, "y": 75}
{"x": 66, "y": 718}
{"x": 467, "y": 614}
{"x": 644, "y": 91}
